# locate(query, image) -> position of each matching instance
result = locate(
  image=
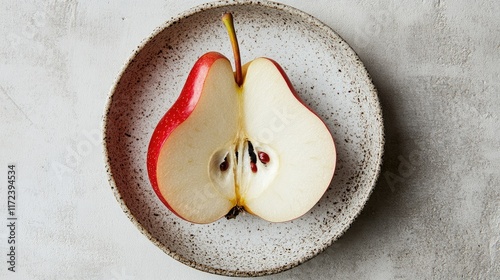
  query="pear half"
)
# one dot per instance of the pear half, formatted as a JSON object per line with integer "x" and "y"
{"x": 224, "y": 147}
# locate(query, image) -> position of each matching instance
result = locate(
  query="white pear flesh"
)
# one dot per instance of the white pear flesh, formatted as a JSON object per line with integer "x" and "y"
{"x": 227, "y": 121}
{"x": 182, "y": 170}
{"x": 276, "y": 118}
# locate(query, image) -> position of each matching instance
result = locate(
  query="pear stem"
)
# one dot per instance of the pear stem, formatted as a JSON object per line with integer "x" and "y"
{"x": 227, "y": 19}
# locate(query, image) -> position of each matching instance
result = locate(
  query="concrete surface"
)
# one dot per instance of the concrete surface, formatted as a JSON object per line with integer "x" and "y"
{"x": 435, "y": 212}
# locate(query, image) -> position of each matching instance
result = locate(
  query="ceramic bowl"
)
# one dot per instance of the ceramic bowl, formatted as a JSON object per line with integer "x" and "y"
{"x": 327, "y": 75}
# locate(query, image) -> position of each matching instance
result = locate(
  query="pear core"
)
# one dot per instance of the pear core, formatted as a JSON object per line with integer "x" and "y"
{"x": 213, "y": 162}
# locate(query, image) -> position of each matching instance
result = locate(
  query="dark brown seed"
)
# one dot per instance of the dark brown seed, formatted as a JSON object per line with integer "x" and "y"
{"x": 251, "y": 153}
{"x": 224, "y": 165}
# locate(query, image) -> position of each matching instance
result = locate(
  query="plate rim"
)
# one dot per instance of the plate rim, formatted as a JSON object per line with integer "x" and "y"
{"x": 218, "y": 4}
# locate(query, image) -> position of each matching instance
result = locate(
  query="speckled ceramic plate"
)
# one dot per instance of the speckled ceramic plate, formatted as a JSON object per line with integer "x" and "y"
{"x": 327, "y": 75}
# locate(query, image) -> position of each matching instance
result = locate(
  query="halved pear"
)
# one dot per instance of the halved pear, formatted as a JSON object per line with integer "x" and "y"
{"x": 256, "y": 146}
{"x": 301, "y": 148}
{"x": 202, "y": 120}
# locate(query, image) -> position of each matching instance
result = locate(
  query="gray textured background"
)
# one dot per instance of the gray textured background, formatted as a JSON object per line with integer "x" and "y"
{"x": 435, "y": 212}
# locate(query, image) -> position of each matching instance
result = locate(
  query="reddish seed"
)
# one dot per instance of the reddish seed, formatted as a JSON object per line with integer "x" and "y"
{"x": 263, "y": 157}
{"x": 253, "y": 167}
{"x": 223, "y": 166}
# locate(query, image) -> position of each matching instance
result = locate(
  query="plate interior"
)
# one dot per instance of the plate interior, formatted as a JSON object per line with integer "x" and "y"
{"x": 326, "y": 74}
